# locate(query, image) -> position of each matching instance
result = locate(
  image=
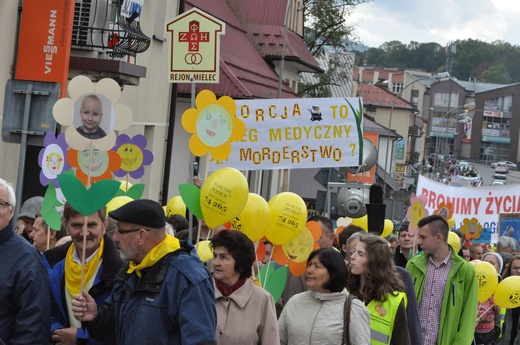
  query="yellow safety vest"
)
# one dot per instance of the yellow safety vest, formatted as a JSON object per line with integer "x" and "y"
{"x": 382, "y": 317}
{"x": 502, "y": 319}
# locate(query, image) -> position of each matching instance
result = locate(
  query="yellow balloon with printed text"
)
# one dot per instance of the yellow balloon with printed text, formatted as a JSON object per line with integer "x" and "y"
{"x": 487, "y": 279}
{"x": 223, "y": 196}
{"x": 287, "y": 217}
{"x": 507, "y": 293}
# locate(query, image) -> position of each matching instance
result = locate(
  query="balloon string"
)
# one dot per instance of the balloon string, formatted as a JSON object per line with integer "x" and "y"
{"x": 268, "y": 264}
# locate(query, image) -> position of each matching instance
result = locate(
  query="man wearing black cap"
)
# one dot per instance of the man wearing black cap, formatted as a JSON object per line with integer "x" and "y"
{"x": 164, "y": 296}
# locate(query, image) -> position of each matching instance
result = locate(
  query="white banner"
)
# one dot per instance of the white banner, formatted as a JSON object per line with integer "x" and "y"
{"x": 297, "y": 133}
{"x": 483, "y": 203}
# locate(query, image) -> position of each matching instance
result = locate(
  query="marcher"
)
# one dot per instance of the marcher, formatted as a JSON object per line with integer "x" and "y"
{"x": 489, "y": 316}
{"x": 510, "y": 333}
{"x": 30, "y": 208}
{"x": 313, "y": 316}
{"x": 476, "y": 251}
{"x": 405, "y": 249}
{"x": 445, "y": 285}
{"x": 245, "y": 312}
{"x": 25, "y": 316}
{"x": 91, "y": 114}
{"x": 164, "y": 296}
{"x": 374, "y": 279}
{"x": 412, "y": 307}
{"x": 40, "y": 234}
{"x": 102, "y": 264}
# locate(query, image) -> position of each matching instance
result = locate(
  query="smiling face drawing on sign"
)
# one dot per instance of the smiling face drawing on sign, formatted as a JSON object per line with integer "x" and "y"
{"x": 214, "y": 125}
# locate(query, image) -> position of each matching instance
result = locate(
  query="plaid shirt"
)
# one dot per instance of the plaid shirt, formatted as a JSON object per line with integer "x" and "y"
{"x": 431, "y": 301}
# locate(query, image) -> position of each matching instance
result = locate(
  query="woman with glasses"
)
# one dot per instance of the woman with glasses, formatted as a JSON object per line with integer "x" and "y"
{"x": 376, "y": 281}
{"x": 510, "y": 333}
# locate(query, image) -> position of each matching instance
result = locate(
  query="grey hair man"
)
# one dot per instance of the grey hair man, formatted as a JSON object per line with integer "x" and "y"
{"x": 506, "y": 244}
{"x": 25, "y": 316}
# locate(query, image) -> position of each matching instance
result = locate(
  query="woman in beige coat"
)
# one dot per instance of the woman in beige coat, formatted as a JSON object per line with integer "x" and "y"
{"x": 245, "y": 312}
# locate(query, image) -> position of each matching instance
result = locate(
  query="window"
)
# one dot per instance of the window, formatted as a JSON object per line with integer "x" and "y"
{"x": 397, "y": 87}
{"x": 445, "y": 99}
{"x": 415, "y": 97}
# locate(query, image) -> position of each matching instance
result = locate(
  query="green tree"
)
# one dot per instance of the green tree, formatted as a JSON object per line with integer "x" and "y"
{"x": 326, "y": 29}
{"x": 498, "y": 74}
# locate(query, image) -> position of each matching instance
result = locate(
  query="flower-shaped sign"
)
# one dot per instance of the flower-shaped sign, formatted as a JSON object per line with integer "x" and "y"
{"x": 471, "y": 228}
{"x": 52, "y": 158}
{"x": 416, "y": 212}
{"x": 133, "y": 155}
{"x": 213, "y": 125}
{"x": 92, "y": 113}
{"x": 96, "y": 164}
{"x": 444, "y": 210}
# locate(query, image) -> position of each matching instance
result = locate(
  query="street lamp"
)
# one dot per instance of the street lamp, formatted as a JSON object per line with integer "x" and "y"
{"x": 435, "y": 76}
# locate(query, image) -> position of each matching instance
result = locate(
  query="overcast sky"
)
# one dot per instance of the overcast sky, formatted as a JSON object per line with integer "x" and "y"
{"x": 439, "y": 21}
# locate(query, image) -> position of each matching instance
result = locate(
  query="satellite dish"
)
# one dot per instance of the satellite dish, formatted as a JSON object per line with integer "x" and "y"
{"x": 369, "y": 158}
{"x": 351, "y": 201}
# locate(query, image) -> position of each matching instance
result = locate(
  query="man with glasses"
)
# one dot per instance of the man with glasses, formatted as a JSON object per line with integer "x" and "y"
{"x": 164, "y": 296}
{"x": 24, "y": 283}
{"x": 445, "y": 285}
{"x": 102, "y": 262}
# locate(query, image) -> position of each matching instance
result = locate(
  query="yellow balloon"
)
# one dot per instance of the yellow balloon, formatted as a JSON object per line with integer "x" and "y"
{"x": 223, "y": 196}
{"x": 487, "y": 279}
{"x": 451, "y": 222}
{"x": 287, "y": 217}
{"x": 204, "y": 250}
{"x": 254, "y": 218}
{"x": 175, "y": 206}
{"x": 507, "y": 293}
{"x": 298, "y": 250}
{"x": 117, "y": 202}
{"x": 388, "y": 229}
{"x": 125, "y": 186}
{"x": 362, "y": 222}
{"x": 454, "y": 241}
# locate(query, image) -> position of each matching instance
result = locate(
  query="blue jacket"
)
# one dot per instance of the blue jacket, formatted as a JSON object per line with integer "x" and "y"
{"x": 100, "y": 290}
{"x": 24, "y": 292}
{"x": 173, "y": 303}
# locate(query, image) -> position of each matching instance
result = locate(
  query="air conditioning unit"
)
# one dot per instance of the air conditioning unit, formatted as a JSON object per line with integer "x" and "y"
{"x": 91, "y": 24}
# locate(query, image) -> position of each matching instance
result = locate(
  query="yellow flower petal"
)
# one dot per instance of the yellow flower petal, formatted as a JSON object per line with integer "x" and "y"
{"x": 189, "y": 120}
{"x": 239, "y": 130}
{"x": 229, "y": 104}
{"x": 221, "y": 152}
{"x": 205, "y": 98}
{"x": 197, "y": 147}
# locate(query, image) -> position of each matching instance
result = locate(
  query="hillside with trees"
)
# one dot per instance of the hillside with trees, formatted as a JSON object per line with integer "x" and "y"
{"x": 495, "y": 62}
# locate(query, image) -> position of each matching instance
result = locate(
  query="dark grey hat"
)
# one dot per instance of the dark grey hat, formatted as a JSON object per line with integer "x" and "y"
{"x": 31, "y": 207}
{"x": 147, "y": 213}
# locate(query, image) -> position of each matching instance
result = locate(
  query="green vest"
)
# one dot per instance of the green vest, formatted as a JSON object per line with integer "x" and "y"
{"x": 382, "y": 317}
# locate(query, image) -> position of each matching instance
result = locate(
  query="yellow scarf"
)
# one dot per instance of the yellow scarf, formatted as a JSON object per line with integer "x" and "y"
{"x": 168, "y": 245}
{"x": 73, "y": 269}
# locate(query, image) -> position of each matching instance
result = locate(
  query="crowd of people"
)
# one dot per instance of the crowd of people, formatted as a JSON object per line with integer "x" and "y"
{"x": 129, "y": 277}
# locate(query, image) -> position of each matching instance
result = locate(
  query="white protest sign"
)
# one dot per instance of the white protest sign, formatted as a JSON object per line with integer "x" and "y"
{"x": 482, "y": 203}
{"x": 297, "y": 133}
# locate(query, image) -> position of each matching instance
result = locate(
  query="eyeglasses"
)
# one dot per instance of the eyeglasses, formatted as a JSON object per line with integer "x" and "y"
{"x": 4, "y": 204}
{"x": 122, "y": 232}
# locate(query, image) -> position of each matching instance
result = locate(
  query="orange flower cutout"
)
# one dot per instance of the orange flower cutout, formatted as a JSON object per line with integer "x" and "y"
{"x": 99, "y": 165}
{"x": 296, "y": 252}
{"x": 444, "y": 210}
{"x": 471, "y": 228}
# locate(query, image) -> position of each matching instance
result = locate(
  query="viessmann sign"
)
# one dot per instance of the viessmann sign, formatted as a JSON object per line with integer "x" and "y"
{"x": 194, "y": 47}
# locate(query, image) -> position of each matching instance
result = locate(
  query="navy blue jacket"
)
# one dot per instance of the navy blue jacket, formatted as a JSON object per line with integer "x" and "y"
{"x": 173, "y": 303}
{"x": 100, "y": 290}
{"x": 25, "y": 317}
